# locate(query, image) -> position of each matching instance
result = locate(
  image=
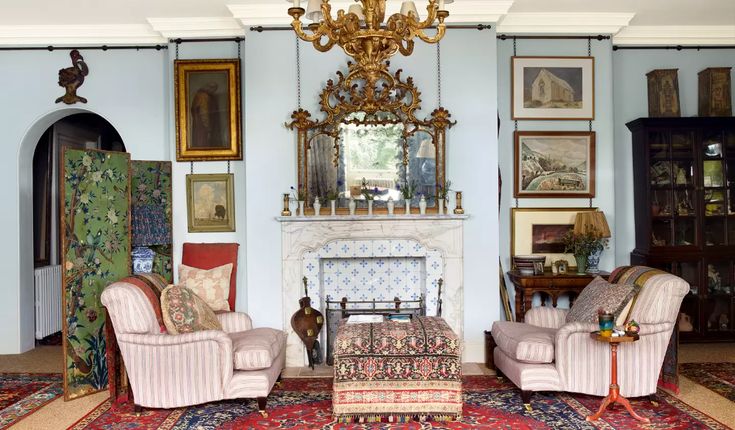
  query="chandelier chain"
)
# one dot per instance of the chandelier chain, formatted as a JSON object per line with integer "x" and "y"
{"x": 298, "y": 72}
{"x": 439, "y": 72}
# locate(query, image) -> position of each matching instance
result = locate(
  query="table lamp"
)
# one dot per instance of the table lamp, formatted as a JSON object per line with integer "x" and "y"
{"x": 593, "y": 222}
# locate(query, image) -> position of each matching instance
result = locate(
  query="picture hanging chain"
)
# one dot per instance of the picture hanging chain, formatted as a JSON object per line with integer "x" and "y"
{"x": 177, "y": 49}
{"x": 589, "y": 54}
{"x": 439, "y": 72}
{"x": 239, "y": 48}
{"x": 590, "y": 201}
{"x": 298, "y": 72}
{"x": 191, "y": 167}
{"x": 516, "y": 121}
{"x": 516, "y": 201}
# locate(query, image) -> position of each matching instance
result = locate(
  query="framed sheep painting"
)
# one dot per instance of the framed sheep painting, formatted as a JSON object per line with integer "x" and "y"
{"x": 210, "y": 202}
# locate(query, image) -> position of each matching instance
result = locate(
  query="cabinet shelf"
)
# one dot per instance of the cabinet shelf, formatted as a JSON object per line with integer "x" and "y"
{"x": 698, "y": 246}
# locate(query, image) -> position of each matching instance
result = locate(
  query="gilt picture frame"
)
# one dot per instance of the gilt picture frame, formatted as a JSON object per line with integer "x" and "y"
{"x": 208, "y": 103}
{"x": 553, "y": 88}
{"x": 555, "y": 164}
{"x": 210, "y": 202}
{"x": 522, "y": 222}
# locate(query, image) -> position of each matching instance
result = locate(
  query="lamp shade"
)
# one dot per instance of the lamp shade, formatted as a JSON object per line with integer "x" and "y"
{"x": 591, "y": 222}
{"x": 150, "y": 225}
{"x": 426, "y": 149}
{"x": 314, "y": 10}
{"x": 409, "y": 8}
{"x": 357, "y": 10}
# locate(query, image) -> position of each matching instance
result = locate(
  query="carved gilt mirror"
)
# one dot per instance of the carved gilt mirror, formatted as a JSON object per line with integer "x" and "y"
{"x": 370, "y": 145}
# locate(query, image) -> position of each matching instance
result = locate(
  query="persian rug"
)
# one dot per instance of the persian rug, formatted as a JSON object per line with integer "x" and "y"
{"x": 488, "y": 404}
{"x": 22, "y": 394}
{"x": 718, "y": 377}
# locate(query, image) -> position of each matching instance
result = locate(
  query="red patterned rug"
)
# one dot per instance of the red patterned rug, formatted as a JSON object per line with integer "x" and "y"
{"x": 488, "y": 404}
{"x": 22, "y": 394}
{"x": 718, "y": 377}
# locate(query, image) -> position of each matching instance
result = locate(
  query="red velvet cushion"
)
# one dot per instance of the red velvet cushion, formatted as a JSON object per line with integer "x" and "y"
{"x": 210, "y": 255}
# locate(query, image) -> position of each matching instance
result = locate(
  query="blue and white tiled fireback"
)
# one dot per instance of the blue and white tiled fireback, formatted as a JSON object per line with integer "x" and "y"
{"x": 373, "y": 269}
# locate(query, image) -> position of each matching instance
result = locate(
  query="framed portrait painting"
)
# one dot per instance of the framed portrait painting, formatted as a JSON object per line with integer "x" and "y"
{"x": 207, "y": 100}
{"x": 554, "y": 164}
{"x": 540, "y": 231}
{"x": 553, "y": 88}
{"x": 210, "y": 202}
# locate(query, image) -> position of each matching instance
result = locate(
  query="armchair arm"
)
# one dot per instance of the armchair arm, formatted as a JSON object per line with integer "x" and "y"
{"x": 169, "y": 371}
{"x": 233, "y": 322}
{"x": 545, "y": 316}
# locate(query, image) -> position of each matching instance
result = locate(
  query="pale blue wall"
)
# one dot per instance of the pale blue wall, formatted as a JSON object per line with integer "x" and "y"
{"x": 469, "y": 92}
{"x": 631, "y": 102}
{"x": 602, "y": 125}
{"x": 127, "y": 88}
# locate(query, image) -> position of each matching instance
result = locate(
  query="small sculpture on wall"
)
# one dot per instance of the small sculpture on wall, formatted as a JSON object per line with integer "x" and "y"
{"x": 72, "y": 78}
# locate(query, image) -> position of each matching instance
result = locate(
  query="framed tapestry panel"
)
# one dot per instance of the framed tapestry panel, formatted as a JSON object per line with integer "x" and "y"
{"x": 554, "y": 164}
{"x": 95, "y": 240}
{"x": 210, "y": 202}
{"x": 536, "y": 231}
{"x": 553, "y": 88}
{"x": 208, "y": 120}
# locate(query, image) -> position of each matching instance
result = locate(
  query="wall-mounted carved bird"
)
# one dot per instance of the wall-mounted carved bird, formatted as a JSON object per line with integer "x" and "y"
{"x": 72, "y": 78}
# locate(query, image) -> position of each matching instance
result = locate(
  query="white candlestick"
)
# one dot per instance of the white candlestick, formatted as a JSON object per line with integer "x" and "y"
{"x": 441, "y": 4}
{"x": 296, "y": 3}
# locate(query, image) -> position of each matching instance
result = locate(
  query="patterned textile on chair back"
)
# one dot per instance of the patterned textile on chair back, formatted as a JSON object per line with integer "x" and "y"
{"x": 210, "y": 255}
{"x": 658, "y": 302}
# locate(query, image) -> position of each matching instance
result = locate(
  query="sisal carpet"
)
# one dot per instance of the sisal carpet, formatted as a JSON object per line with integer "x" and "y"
{"x": 22, "y": 394}
{"x": 718, "y": 377}
{"x": 488, "y": 404}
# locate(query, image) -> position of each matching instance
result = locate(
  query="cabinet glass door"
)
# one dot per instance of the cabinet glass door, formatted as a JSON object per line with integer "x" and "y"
{"x": 718, "y": 306}
{"x": 715, "y": 183}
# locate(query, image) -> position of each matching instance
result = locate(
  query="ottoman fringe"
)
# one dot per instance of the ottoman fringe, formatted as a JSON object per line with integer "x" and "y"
{"x": 395, "y": 418}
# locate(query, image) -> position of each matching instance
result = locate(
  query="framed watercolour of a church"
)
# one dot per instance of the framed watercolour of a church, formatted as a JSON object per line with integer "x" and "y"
{"x": 553, "y": 88}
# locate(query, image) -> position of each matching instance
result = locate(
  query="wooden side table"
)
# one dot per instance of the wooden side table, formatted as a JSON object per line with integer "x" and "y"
{"x": 614, "y": 394}
{"x": 548, "y": 283}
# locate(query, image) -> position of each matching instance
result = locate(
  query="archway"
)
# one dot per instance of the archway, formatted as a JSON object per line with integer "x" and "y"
{"x": 39, "y": 130}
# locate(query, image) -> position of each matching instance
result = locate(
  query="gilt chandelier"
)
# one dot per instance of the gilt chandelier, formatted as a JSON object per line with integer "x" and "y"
{"x": 363, "y": 31}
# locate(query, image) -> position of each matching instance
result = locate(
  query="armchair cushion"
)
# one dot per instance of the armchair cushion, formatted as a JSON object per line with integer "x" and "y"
{"x": 600, "y": 294}
{"x": 525, "y": 342}
{"x": 184, "y": 312}
{"x": 211, "y": 255}
{"x": 257, "y": 348}
{"x": 212, "y": 286}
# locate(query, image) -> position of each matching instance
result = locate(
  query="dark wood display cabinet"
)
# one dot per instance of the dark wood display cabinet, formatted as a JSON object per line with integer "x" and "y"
{"x": 684, "y": 191}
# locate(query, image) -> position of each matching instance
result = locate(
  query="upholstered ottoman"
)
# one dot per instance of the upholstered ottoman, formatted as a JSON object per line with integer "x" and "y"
{"x": 395, "y": 371}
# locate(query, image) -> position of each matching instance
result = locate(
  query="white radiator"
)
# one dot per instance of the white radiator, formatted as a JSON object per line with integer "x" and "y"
{"x": 47, "y": 282}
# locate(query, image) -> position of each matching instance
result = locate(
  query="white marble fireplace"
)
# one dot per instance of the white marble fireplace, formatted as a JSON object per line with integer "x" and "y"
{"x": 371, "y": 257}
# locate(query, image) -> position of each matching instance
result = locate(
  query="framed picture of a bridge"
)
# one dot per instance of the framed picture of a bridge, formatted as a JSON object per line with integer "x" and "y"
{"x": 554, "y": 164}
{"x": 553, "y": 88}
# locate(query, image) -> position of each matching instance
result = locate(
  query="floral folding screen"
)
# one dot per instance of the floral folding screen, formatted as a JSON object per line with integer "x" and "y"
{"x": 96, "y": 252}
{"x": 151, "y": 212}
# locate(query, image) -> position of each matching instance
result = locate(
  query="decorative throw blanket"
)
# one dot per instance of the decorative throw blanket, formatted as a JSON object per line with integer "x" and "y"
{"x": 638, "y": 275}
{"x": 396, "y": 371}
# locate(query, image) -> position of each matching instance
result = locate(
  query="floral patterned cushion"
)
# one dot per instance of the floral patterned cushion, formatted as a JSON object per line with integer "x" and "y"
{"x": 184, "y": 312}
{"x": 600, "y": 294}
{"x": 212, "y": 286}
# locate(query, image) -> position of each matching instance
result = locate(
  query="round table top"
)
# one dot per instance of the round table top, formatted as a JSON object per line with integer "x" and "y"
{"x": 613, "y": 339}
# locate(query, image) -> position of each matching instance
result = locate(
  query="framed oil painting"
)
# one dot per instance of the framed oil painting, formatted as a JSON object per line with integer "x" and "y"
{"x": 539, "y": 231}
{"x": 208, "y": 121}
{"x": 554, "y": 164}
{"x": 553, "y": 88}
{"x": 210, "y": 202}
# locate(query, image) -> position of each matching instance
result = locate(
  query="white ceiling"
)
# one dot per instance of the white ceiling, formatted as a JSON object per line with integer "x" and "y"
{"x": 42, "y": 22}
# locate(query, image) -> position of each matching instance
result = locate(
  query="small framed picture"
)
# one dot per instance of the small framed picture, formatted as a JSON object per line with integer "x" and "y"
{"x": 561, "y": 266}
{"x": 553, "y": 88}
{"x": 210, "y": 202}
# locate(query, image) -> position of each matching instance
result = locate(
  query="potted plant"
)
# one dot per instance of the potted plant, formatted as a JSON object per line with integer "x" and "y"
{"x": 443, "y": 194}
{"x": 369, "y": 195}
{"x": 582, "y": 245}
{"x": 299, "y": 195}
{"x": 332, "y": 195}
{"x": 407, "y": 191}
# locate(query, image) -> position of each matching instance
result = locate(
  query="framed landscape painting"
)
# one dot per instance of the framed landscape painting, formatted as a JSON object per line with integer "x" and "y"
{"x": 539, "y": 231}
{"x": 208, "y": 120}
{"x": 210, "y": 202}
{"x": 553, "y": 88}
{"x": 554, "y": 164}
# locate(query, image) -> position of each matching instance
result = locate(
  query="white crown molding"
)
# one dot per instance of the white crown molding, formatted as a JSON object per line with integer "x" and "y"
{"x": 676, "y": 35}
{"x": 464, "y": 11}
{"x": 563, "y": 23}
{"x": 192, "y": 27}
{"x": 79, "y": 34}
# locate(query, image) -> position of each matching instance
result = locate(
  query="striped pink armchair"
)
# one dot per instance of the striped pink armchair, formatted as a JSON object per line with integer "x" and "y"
{"x": 544, "y": 353}
{"x": 170, "y": 371}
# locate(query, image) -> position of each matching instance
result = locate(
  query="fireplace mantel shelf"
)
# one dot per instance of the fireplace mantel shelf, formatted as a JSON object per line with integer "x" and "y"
{"x": 402, "y": 217}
